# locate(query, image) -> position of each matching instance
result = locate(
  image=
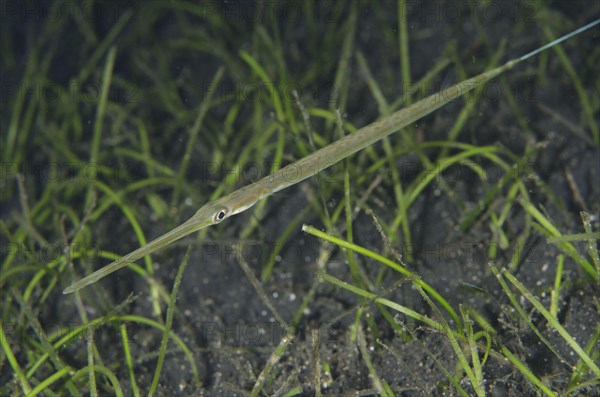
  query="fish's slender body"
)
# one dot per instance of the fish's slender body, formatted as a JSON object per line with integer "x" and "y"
{"x": 240, "y": 200}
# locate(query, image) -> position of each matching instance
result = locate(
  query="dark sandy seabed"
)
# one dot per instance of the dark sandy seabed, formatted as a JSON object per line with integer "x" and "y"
{"x": 167, "y": 54}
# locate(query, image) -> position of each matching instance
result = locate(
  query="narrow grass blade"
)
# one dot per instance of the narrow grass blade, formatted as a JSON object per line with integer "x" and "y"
{"x": 169, "y": 321}
{"x": 554, "y": 323}
{"x": 526, "y": 372}
{"x": 551, "y": 231}
{"x": 43, "y": 385}
{"x": 12, "y": 360}
{"x": 387, "y": 262}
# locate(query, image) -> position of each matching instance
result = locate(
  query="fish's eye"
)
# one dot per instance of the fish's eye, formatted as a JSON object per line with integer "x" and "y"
{"x": 220, "y": 215}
